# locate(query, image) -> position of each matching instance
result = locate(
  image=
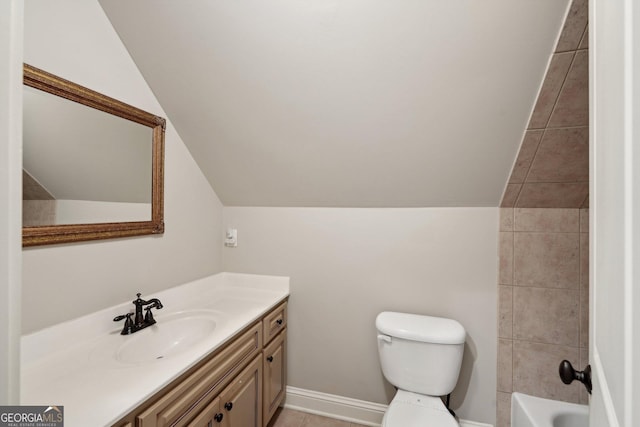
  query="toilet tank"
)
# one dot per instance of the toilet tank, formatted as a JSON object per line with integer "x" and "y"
{"x": 422, "y": 354}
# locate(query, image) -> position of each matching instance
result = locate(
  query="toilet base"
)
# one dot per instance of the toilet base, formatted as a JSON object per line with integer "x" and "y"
{"x": 409, "y": 409}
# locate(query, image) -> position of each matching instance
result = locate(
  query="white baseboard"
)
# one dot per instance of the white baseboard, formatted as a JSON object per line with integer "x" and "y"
{"x": 344, "y": 408}
{"x": 339, "y": 407}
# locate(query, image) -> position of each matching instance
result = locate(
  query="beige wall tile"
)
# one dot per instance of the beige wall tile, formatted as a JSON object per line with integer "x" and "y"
{"x": 510, "y": 195}
{"x": 556, "y": 74}
{"x": 572, "y": 107}
{"x": 546, "y": 220}
{"x": 505, "y": 365}
{"x": 526, "y": 154}
{"x": 585, "y": 204}
{"x": 552, "y": 195}
{"x": 505, "y": 275}
{"x": 546, "y": 260}
{"x": 506, "y": 219}
{"x": 563, "y": 156}
{"x": 503, "y": 412}
{"x": 584, "y": 357}
{"x": 33, "y": 190}
{"x": 38, "y": 212}
{"x": 584, "y": 43}
{"x": 584, "y": 220}
{"x": 574, "y": 26}
{"x": 505, "y": 310}
{"x": 535, "y": 370}
{"x": 546, "y": 315}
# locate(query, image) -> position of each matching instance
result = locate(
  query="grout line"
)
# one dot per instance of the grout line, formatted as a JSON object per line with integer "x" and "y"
{"x": 564, "y": 81}
{"x": 561, "y": 127}
{"x": 543, "y": 287}
{"x": 548, "y": 343}
{"x": 515, "y": 202}
{"x": 559, "y": 182}
{"x": 548, "y": 232}
{"x": 535, "y": 154}
{"x": 584, "y": 34}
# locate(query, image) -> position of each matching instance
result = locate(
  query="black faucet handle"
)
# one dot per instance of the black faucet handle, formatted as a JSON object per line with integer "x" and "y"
{"x": 148, "y": 317}
{"x": 122, "y": 317}
{"x": 128, "y": 323}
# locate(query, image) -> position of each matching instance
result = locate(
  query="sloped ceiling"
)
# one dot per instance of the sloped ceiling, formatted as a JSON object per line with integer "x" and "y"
{"x": 346, "y": 102}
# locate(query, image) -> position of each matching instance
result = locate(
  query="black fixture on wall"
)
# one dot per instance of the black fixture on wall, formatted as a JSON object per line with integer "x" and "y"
{"x": 568, "y": 374}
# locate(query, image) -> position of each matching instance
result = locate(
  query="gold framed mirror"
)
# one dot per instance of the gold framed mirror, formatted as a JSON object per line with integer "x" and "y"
{"x": 110, "y": 184}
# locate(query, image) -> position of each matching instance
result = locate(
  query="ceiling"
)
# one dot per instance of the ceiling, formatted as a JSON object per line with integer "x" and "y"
{"x": 348, "y": 103}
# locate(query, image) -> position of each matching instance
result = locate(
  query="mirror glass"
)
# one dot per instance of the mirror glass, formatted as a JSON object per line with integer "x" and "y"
{"x": 92, "y": 165}
{"x": 81, "y": 165}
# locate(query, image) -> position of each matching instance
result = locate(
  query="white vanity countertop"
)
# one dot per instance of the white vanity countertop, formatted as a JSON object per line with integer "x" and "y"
{"x": 72, "y": 364}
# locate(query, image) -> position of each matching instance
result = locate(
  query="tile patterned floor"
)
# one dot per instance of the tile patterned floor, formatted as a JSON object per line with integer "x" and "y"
{"x": 290, "y": 418}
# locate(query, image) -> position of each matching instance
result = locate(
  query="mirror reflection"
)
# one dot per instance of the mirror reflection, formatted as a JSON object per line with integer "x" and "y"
{"x": 82, "y": 165}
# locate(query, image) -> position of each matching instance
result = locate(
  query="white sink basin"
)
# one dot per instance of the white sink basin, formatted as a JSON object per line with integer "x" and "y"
{"x": 530, "y": 411}
{"x": 173, "y": 334}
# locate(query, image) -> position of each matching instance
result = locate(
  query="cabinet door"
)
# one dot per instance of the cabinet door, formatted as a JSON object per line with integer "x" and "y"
{"x": 274, "y": 375}
{"x": 211, "y": 416}
{"x": 241, "y": 400}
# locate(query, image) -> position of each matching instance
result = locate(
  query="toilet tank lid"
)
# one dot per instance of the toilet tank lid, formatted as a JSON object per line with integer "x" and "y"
{"x": 416, "y": 327}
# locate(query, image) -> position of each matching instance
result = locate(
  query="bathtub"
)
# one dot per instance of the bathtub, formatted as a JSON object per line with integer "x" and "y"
{"x": 530, "y": 411}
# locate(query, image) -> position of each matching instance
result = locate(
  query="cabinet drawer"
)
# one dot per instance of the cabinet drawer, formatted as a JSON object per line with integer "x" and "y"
{"x": 190, "y": 395}
{"x": 275, "y": 322}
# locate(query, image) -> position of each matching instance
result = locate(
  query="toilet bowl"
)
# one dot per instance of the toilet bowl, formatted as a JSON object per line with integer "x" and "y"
{"x": 421, "y": 356}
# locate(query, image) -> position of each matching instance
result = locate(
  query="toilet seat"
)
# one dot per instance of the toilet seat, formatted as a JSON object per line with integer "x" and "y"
{"x": 409, "y": 409}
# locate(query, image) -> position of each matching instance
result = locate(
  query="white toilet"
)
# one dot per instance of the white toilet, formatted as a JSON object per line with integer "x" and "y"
{"x": 421, "y": 356}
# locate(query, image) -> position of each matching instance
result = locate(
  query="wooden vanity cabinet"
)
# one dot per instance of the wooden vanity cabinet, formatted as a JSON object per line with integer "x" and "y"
{"x": 241, "y": 401}
{"x": 274, "y": 322}
{"x": 183, "y": 401}
{"x": 240, "y": 385}
{"x": 275, "y": 381}
{"x": 239, "y": 404}
{"x": 210, "y": 416}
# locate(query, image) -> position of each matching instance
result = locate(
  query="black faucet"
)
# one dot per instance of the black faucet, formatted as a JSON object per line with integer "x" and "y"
{"x": 140, "y": 321}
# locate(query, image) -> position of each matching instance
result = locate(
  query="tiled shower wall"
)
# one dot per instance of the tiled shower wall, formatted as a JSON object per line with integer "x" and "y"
{"x": 543, "y": 303}
{"x": 552, "y": 167}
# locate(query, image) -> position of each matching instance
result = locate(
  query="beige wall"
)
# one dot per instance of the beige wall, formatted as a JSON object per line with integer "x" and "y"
{"x": 10, "y": 183}
{"x": 75, "y": 40}
{"x": 347, "y": 265}
{"x": 543, "y": 303}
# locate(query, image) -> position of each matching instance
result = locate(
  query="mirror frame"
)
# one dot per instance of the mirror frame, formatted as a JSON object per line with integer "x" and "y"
{"x": 54, "y": 234}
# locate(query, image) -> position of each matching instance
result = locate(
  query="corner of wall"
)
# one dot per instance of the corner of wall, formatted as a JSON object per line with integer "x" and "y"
{"x": 11, "y": 22}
